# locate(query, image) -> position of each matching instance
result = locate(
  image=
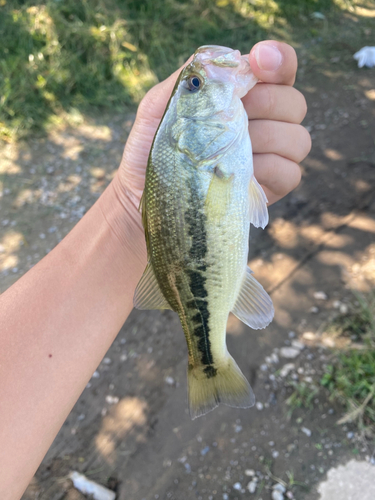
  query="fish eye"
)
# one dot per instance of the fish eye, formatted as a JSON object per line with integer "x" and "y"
{"x": 194, "y": 83}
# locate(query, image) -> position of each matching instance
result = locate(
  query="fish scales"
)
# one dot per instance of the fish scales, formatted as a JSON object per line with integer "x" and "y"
{"x": 199, "y": 199}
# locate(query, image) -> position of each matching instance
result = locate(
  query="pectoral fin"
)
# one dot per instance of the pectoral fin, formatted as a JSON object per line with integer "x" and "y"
{"x": 258, "y": 204}
{"x": 148, "y": 294}
{"x": 253, "y": 306}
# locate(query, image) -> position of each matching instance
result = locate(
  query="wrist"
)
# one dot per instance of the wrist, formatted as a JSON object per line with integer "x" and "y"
{"x": 120, "y": 210}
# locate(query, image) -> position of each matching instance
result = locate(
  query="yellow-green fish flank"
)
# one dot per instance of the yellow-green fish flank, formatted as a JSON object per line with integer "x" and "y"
{"x": 199, "y": 199}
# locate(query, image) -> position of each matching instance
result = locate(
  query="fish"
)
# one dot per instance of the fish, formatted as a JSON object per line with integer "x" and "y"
{"x": 199, "y": 199}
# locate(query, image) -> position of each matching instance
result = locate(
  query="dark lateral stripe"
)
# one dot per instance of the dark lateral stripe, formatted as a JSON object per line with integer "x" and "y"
{"x": 196, "y": 221}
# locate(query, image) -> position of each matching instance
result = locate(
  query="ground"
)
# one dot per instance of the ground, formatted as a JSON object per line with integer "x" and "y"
{"x": 130, "y": 429}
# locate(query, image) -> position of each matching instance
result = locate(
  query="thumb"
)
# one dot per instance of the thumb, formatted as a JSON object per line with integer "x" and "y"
{"x": 274, "y": 62}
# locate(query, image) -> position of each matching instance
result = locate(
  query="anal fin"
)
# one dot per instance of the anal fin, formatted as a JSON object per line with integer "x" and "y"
{"x": 253, "y": 305}
{"x": 148, "y": 294}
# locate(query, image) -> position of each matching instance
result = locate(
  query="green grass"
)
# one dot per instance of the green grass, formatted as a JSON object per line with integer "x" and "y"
{"x": 351, "y": 379}
{"x": 60, "y": 58}
{"x": 302, "y": 397}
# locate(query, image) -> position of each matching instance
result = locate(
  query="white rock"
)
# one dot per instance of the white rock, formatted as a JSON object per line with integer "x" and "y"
{"x": 88, "y": 487}
{"x": 289, "y": 352}
{"x": 275, "y": 454}
{"x": 291, "y": 335}
{"x": 279, "y": 487}
{"x": 249, "y": 472}
{"x": 169, "y": 380}
{"x": 277, "y": 495}
{"x": 344, "y": 309}
{"x": 237, "y": 486}
{"x": 286, "y": 369}
{"x": 365, "y": 57}
{"x": 259, "y": 405}
{"x": 298, "y": 344}
{"x": 96, "y": 374}
{"x": 252, "y": 486}
{"x": 306, "y": 431}
{"x": 320, "y": 295}
{"x": 314, "y": 310}
{"x": 309, "y": 335}
{"x": 107, "y": 361}
{"x": 336, "y": 304}
{"x": 112, "y": 400}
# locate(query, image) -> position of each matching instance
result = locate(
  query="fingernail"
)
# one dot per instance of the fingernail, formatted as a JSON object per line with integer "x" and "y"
{"x": 268, "y": 57}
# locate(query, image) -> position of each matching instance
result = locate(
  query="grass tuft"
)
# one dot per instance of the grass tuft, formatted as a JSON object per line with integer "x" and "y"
{"x": 351, "y": 379}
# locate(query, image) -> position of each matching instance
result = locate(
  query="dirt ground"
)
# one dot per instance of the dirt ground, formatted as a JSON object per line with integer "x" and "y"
{"x": 130, "y": 429}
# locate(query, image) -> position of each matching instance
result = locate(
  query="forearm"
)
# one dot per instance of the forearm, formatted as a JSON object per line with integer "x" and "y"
{"x": 56, "y": 324}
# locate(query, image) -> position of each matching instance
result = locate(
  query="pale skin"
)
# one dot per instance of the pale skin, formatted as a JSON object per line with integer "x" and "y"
{"x": 60, "y": 318}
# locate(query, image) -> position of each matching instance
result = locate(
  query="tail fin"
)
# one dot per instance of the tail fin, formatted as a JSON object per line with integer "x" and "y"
{"x": 225, "y": 384}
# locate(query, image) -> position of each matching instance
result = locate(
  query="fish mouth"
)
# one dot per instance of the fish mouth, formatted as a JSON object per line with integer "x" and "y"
{"x": 220, "y": 56}
{"x": 225, "y": 65}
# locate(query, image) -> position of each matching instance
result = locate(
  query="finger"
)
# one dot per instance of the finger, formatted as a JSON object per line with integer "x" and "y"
{"x": 275, "y": 102}
{"x": 276, "y": 174}
{"x": 274, "y": 62}
{"x": 285, "y": 139}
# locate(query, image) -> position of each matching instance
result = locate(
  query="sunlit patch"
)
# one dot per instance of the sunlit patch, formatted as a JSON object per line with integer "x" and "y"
{"x": 370, "y": 94}
{"x": 314, "y": 163}
{"x": 364, "y": 12}
{"x": 23, "y": 197}
{"x": 332, "y": 154}
{"x": 362, "y": 186}
{"x": 316, "y": 233}
{"x": 9, "y": 167}
{"x": 98, "y": 172}
{"x": 95, "y": 132}
{"x": 271, "y": 273}
{"x": 71, "y": 146}
{"x": 127, "y": 415}
{"x": 9, "y": 245}
{"x": 284, "y": 233}
{"x": 363, "y": 223}
{"x": 70, "y": 183}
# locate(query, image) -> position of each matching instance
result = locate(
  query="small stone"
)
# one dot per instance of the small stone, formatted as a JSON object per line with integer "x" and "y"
{"x": 237, "y": 428}
{"x": 279, "y": 487}
{"x": 107, "y": 361}
{"x": 306, "y": 431}
{"x": 112, "y": 400}
{"x": 274, "y": 358}
{"x": 309, "y": 336}
{"x": 249, "y": 472}
{"x": 350, "y": 435}
{"x": 336, "y": 304}
{"x": 275, "y": 454}
{"x": 259, "y": 406}
{"x": 286, "y": 369}
{"x": 291, "y": 335}
{"x": 289, "y": 495}
{"x": 252, "y": 486}
{"x": 271, "y": 443}
{"x": 277, "y": 495}
{"x": 82, "y": 416}
{"x": 169, "y": 380}
{"x": 123, "y": 357}
{"x": 264, "y": 367}
{"x": 205, "y": 451}
{"x": 314, "y": 310}
{"x": 237, "y": 486}
{"x": 320, "y": 295}
{"x": 289, "y": 352}
{"x": 42, "y": 236}
{"x": 344, "y": 309}
{"x": 225, "y": 496}
{"x": 298, "y": 344}
{"x": 96, "y": 374}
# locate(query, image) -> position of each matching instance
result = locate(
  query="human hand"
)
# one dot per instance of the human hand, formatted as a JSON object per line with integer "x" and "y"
{"x": 275, "y": 111}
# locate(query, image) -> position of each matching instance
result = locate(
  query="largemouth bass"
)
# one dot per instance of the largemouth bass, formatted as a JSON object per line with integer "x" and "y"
{"x": 199, "y": 199}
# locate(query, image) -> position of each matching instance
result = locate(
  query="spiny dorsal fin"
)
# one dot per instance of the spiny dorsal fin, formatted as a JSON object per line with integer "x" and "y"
{"x": 148, "y": 294}
{"x": 258, "y": 204}
{"x": 253, "y": 305}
